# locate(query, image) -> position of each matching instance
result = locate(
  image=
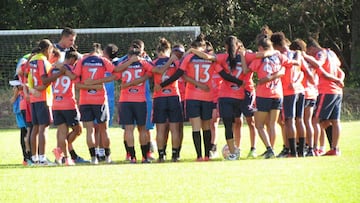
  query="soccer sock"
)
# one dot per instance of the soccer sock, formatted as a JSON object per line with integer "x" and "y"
{"x": 174, "y": 153}
{"x": 107, "y": 151}
{"x": 144, "y": 150}
{"x": 292, "y": 145}
{"x": 301, "y": 145}
{"x": 73, "y": 154}
{"x": 161, "y": 153}
{"x": 197, "y": 143}
{"x": 126, "y": 147}
{"x": 92, "y": 151}
{"x": 132, "y": 152}
{"x": 213, "y": 147}
{"x": 207, "y": 142}
{"x": 149, "y": 146}
{"x": 252, "y": 148}
{"x": 22, "y": 141}
{"x": 328, "y": 131}
{"x": 165, "y": 149}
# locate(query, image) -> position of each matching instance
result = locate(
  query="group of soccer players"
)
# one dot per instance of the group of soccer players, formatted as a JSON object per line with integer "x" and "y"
{"x": 298, "y": 86}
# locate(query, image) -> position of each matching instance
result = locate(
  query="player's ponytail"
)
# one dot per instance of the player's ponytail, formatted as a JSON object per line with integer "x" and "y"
{"x": 231, "y": 43}
{"x": 199, "y": 41}
{"x": 97, "y": 48}
{"x": 163, "y": 46}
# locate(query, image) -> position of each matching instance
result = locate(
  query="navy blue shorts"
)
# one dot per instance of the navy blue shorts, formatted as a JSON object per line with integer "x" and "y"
{"x": 328, "y": 107}
{"x": 167, "y": 109}
{"x": 247, "y": 104}
{"x": 309, "y": 103}
{"x": 40, "y": 113}
{"x": 185, "y": 117}
{"x": 69, "y": 117}
{"x": 293, "y": 106}
{"x": 230, "y": 107}
{"x": 268, "y": 104}
{"x": 28, "y": 124}
{"x": 196, "y": 108}
{"x": 100, "y": 113}
{"x": 131, "y": 113}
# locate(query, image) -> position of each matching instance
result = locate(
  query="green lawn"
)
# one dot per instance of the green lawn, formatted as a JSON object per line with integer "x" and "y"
{"x": 315, "y": 179}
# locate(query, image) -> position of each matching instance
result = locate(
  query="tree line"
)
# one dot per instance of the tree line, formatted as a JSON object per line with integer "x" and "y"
{"x": 334, "y": 23}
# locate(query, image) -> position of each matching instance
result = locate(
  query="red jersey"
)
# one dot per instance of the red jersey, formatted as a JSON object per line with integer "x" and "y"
{"x": 172, "y": 89}
{"x": 265, "y": 67}
{"x": 232, "y": 90}
{"x": 63, "y": 91}
{"x": 292, "y": 80}
{"x": 328, "y": 60}
{"x": 310, "y": 87}
{"x": 215, "y": 88}
{"x": 39, "y": 66}
{"x": 93, "y": 67}
{"x": 134, "y": 71}
{"x": 200, "y": 70}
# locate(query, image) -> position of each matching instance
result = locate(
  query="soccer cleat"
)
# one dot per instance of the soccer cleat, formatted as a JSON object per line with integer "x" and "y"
{"x": 161, "y": 160}
{"x": 319, "y": 152}
{"x": 128, "y": 157}
{"x": 269, "y": 154}
{"x": 332, "y": 152}
{"x": 46, "y": 163}
{"x": 133, "y": 160}
{"x": 232, "y": 157}
{"x": 284, "y": 153}
{"x": 108, "y": 160}
{"x": 145, "y": 160}
{"x": 101, "y": 158}
{"x": 94, "y": 160}
{"x": 150, "y": 156}
{"x": 199, "y": 159}
{"x": 310, "y": 153}
{"x": 58, "y": 155}
{"x": 175, "y": 159}
{"x": 252, "y": 154}
{"x": 213, "y": 154}
{"x": 292, "y": 156}
{"x": 80, "y": 160}
{"x": 206, "y": 158}
{"x": 69, "y": 162}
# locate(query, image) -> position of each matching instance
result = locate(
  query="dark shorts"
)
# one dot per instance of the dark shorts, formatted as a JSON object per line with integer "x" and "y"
{"x": 247, "y": 105}
{"x": 185, "y": 117}
{"x": 28, "y": 124}
{"x": 100, "y": 113}
{"x": 230, "y": 107}
{"x": 196, "y": 108}
{"x": 40, "y": 113}
{"x": 293, "y": 106}
{"x": 309, "y": 103}
{"x": 268, "y": 104}
{"x": 167, "y": 109}
{"x": 328, "y": 107}
{"x": 69, "y": 117}
{"x": 131, "y": 113}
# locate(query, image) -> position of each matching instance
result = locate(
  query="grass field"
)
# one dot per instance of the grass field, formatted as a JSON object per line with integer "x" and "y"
{"x": 314, "y": 179}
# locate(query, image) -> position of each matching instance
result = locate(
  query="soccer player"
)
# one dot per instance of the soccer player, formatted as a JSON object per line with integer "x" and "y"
{"x": 40, "y": 99}
{"x": 331, "y": 82}
{"x": 167, "y": 110}
{"x": 15, "y": 100}
{"x": 268, "y": 92}
{"x": 293, "y": 102}
{"x": 132, "y": 105}
{"x": 93, "y": 100}
{"x": 65, "y": 110}
{"x": 198, "y": 97}
{"x": 310, "y": 90}
{"x": 67, "y": 41}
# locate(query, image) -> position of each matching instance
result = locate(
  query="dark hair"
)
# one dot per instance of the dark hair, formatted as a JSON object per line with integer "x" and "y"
{"x": 199, "y": 41}
{"x": 313, "y": 43}
{"x": 278, "y": 39}
{"x": 71, "y": 54}
{"x": 298, "y": 44}
{"x": 209, "y": 47}
{"x": 43, "y": 45}
{"x": 67, "y": 32}
{"x": 56, "y": 52}
{"x": 263, "y": 41}
{"x": 139, "y": 43}
{"x": 231, "y": 43}
{"x": 111, "y": 50}
{"x": 163, "y": 45}
{"x": 97, "y": 48}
